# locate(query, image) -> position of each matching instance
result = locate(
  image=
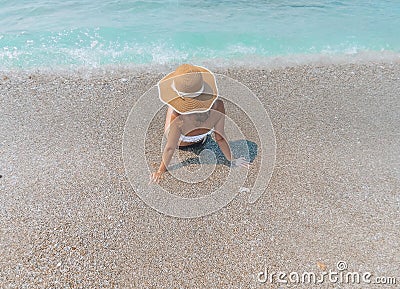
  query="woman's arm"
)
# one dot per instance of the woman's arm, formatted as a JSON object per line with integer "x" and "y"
{"x": 170, "y": 117}
{"x": 219, "y": 132}
{"x": 221, "y": 139}
{"x": 169, "y": 149}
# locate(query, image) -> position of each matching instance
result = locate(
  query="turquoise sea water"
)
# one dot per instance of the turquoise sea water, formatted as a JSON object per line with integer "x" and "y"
{"x": 55, "y": 33}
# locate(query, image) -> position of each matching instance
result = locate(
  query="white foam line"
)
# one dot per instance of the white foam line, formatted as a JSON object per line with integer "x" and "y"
{"x": 249, "y": 62}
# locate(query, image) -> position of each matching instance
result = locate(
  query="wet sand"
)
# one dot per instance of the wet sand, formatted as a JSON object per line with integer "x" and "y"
{"x": 69, "y": 217}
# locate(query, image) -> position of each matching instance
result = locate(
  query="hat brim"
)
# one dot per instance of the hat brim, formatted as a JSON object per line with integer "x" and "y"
{"x": 187, "y": 105}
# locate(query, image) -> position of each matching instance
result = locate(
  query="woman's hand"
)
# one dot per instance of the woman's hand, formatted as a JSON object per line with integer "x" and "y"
{"x": 240, "y": 162}
{"x": 156, "y": 177}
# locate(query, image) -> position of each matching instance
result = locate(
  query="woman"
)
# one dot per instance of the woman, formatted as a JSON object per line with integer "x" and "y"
{"x": 194, "y": 113}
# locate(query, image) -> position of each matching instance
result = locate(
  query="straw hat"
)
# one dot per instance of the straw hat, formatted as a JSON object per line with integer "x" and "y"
{"x": 188, "y": 89}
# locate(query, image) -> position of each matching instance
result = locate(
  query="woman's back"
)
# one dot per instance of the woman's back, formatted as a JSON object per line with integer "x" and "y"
{"x": 200, "y": 123}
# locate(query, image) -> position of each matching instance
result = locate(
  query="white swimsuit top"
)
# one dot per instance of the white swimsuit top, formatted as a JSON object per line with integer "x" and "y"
{"x": 195, "y": 138}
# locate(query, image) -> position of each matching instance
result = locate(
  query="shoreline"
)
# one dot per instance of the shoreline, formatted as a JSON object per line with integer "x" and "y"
{"x": 256, "y": 62}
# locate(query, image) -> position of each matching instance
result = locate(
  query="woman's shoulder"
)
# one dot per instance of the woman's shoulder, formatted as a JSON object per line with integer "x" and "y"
{"x": 219, "y": 106}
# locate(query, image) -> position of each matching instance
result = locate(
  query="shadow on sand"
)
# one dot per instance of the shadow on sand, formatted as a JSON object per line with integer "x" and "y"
{"x": 210, "y": 153}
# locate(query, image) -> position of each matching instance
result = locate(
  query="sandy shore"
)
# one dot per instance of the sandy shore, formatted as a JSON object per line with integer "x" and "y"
{"x": 69, "y": 217}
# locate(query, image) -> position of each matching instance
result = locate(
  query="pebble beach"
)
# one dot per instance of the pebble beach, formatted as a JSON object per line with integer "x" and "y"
{"x": 69, "y": 217}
